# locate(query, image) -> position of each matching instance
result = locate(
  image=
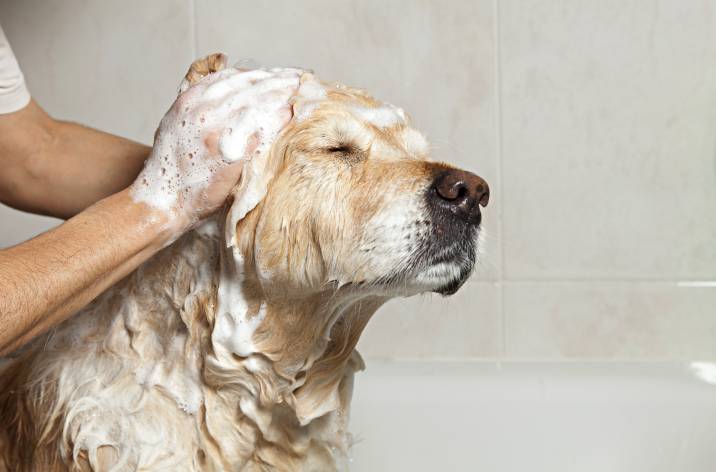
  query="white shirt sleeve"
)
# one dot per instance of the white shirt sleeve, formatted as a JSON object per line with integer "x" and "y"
{"x": 13, "y": 91}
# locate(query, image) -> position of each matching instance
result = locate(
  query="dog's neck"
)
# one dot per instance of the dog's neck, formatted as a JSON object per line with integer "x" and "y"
{"x": 274, "y": 372}
{"x": 286, "y": 362}
{"x": 150, "y": 351}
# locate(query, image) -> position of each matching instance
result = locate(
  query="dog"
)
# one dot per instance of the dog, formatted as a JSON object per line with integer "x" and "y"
{"x": 234, "y": 347}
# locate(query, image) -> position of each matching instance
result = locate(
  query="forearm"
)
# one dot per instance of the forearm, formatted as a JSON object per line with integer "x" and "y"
{"x": 46, "y": 279}
{"x": 58, "y": 168}
{"x": 200, "y": 148}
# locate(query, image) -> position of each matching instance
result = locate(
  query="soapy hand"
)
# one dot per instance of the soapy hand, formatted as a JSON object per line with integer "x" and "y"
{"x": 216, "y": 124}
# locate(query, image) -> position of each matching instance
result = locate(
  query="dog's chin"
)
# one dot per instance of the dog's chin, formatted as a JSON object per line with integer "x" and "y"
{"x": 452, "y": 285}
{"x": 441, "y": 271}
{"x": 450, "y": 272}
{"x": 445, "y": 278}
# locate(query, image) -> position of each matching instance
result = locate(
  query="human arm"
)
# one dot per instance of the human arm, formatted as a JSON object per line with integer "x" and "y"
{"x": 197, "y": 158}
{"x": 46, "y": 279}
{"x": 58, "y": 168}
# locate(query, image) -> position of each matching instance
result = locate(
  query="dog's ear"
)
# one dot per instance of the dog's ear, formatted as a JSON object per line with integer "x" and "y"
{"x": 251, "y": 189}
{"x": 259, "y": 171}
{"x": 201, "y": 68}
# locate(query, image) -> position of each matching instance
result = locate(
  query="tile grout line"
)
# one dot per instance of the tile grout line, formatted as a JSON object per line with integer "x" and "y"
{"x": 534, "y": 360}
{"x": 192, "y": 30}
{"x": 682, "y": 282}
{"x": 498, "y": 149}
{"x": 704, "y": 282}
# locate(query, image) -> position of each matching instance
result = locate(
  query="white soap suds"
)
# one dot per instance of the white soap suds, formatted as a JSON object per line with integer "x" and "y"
{"x": 311, "y": 89}
{"x": 254, "y": 185}
{"x": 233, "y": 82}
{"x": 209, "y": 229}
{"x": 415, "y": 142}
{"x": 183, "y": 385}
{"x": 309, "y": 96}
{"x": 234, "y": 327}
{"x": 226, "y": 117}
{"x": 381, "y": 117}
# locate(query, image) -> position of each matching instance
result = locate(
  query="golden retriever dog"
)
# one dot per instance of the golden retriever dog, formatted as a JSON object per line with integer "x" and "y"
{"x": 234, "y": 347}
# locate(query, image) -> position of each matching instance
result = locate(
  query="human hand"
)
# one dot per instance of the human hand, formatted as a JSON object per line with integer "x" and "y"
{"x": 218, "y": 122}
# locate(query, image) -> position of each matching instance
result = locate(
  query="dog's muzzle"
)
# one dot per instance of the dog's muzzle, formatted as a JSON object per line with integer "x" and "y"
{"x": 453, "y": 200}
{"x": 461, "y": 194}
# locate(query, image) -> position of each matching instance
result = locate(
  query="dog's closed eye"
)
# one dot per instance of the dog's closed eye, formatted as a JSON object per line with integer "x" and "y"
{"x": 342, "y": 148}
{"x": 347, "y": 152}
{"x": 347, "y": 137}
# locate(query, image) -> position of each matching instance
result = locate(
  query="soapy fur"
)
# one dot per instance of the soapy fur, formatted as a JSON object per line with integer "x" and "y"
{"x": 234, "y": 348}
{"x": 226, "y": 117}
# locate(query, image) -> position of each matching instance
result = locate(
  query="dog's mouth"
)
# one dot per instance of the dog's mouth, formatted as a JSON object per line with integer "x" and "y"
{"x": 451, "y": 287}
{"x": 442, "y": 264}
{"x": 436, "y": 252}
{"x": 456, "y": 266}
{"x": 431, "y": 269}
{"x": 449, "y": 251}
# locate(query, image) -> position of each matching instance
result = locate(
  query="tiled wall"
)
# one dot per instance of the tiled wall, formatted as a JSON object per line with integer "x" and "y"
{"x": 593, "y": 121}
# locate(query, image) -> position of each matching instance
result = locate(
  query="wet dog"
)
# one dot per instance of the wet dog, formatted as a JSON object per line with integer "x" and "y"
{"x": 234, "y": 348}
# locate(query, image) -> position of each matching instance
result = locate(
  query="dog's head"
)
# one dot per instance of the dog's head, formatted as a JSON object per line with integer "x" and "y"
{"x": 354, "y": 201}
{"x": 344, "y": 212}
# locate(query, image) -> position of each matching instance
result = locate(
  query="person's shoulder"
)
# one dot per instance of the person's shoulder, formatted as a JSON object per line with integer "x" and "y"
{"x": 13, "y": 91}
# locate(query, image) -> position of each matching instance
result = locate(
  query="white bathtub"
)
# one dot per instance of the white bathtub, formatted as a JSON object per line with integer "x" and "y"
{"x": 534, "y": 417}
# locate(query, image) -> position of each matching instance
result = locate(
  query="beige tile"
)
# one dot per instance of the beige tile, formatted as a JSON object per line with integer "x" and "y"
{"x": 609, "y": 138}
{"x": 654, "y": 320}
{"x": 468, "y": 324}
{"x": 113, "y": 65}
{"x": 435, "y": 59}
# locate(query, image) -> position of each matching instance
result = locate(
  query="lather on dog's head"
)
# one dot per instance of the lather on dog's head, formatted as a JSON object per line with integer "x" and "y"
{"x": 350, "y": 212}
{"x": 355, "y": 202}
{"x": 247, "y": 365}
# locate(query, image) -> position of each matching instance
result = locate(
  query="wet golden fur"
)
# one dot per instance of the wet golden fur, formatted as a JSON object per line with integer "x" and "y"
{"x": 118, "y": 384}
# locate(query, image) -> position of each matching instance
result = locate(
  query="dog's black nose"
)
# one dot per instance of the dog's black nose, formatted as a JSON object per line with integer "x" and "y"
{"x": 461, "y": 193}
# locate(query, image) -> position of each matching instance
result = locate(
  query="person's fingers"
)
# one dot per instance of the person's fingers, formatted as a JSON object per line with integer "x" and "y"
{"x": 259, "y": 92}
{"x": 273, "y": 119}
{"x": 273, "y": 93}
{"x": 235, "y": 139}
{"x": 245, "y": 79}
{"x": 276, "y": 98}
{"x": 289, "y": 83}
{"x": 229, "y": 173}
{"x": 236, "y": 81}
{"x": 287, "y": 71}
{"x": 212, "y": 142}
{"x": 274, "y": 115}
{"x": 254, "y": 130}
{"x": 252, "y": 144}
{"x": 285, "y": 114}
{"x": 228, "y": 176}
{"x": 241, "y": 90}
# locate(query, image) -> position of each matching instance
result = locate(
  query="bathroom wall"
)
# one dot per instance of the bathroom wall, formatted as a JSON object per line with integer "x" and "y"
{"x": 593, "y": 121}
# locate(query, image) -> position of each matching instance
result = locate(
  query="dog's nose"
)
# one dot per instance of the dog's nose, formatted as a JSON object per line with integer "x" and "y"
{"x": 461, "y": 192}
